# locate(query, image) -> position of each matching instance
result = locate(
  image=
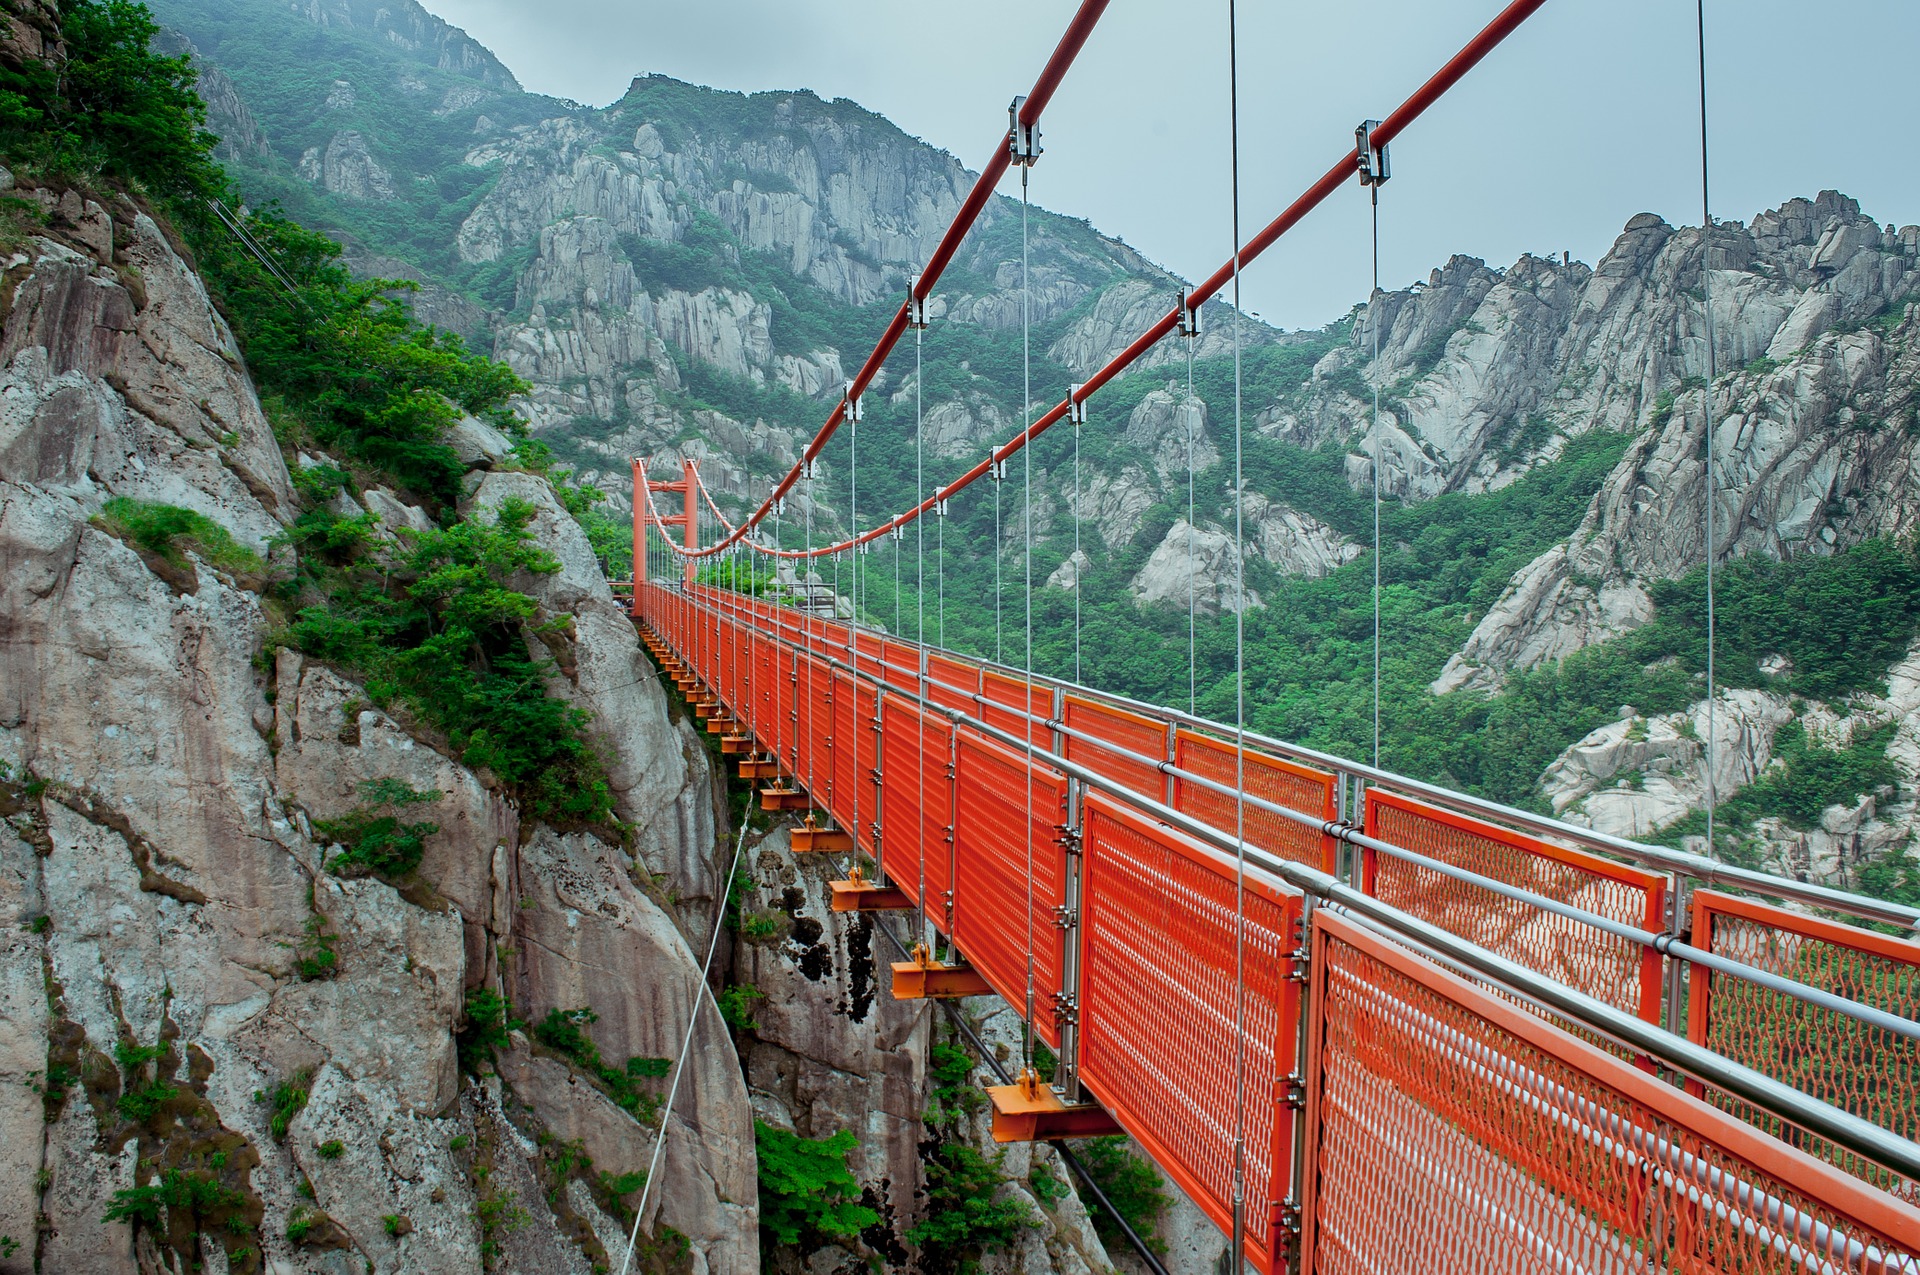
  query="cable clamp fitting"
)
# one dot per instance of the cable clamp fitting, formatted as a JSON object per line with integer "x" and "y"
{"x": 1066, "y": 1008}
{"x": 1293, "y": 1091}
{"x": 852, "y": 401}
{"x": 939, "y": 506}
{"x": 899, "y": 532}
{"x": 810, "y": 469}
{"x": 1023, "y": 140}
{"x": 1064, "y": 917}
{"x": 916, "y": 306}
{"x": 997, "y": 469}
{"x": 1188, "y": 322}
{"x": 1375, "y": 166}
{"x": 864, "y": 547}
{"x": 1076, "y": 405}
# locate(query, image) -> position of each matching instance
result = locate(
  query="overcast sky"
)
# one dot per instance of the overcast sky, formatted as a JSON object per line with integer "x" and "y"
{"x": 1585, "y": 117}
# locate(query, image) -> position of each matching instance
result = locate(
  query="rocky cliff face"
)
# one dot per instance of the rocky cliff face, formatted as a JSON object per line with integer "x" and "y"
{"x": 161, "y": 772}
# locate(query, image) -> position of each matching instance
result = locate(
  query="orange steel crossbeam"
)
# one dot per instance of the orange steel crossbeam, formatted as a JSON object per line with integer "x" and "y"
{"x": 937, "y": 981}
{"x": 1030, "y": 1111}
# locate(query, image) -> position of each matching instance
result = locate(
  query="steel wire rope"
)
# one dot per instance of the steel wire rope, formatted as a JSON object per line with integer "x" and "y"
{"x": 1373, "y": 321}
{"x": 1707, "y": 414}
{"x": 920, "y": 636}
{"x": 686, "y": 1046}
{"x": 1239, "y": 1237}
{"x": 1026, "y": 502}
{"x": 1193, "y": 335}
{"x": 1449, "y": 75}
{"x": 853, "y": 621}
{"x": 979, "y": 196}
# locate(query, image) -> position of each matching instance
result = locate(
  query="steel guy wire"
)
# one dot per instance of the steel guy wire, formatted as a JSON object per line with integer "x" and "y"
{"x": 686, "y": 1046}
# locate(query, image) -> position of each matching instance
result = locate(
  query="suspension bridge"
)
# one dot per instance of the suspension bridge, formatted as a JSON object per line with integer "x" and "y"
{"x": 1365, "y": 1023}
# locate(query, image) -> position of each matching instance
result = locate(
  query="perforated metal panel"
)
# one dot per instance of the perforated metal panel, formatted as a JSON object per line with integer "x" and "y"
{"x": 952, "y": 682}
{"x": 815, "y": 769}
{"x": 1456, "y": 1133}
{"x": 1616, "y": 970}
{"x": 1136, "y": 734}
{"x": 1311, "y": 792}
{"x": 915, "y": 801}
{"x": 998, "y": 920}
{"x": 1014, "y": 693}
{"x": 1874, "y": 1074}
{"x": 853, "y": 794}
{"x": 1160, "y": 999}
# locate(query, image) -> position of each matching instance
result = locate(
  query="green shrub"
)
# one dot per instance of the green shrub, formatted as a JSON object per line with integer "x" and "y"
{"x": 736, "y": 1005}
{"x": 630, "y": 1086}
{"x": 374, "y": 839}
{"x": 315, "y": 958}
{"x": 287, "y": 1100}
{"x": 1130, "y": 1183}
{"x": 168, "y": 530}
{"x": 189, "y": 1192}
{"x": 964, "y": 1216}
{"x": 114, "y": 108}
{"x": 489, "y": 1018}
{"x": 331, "y": 1149}
{"x": 442, "y": 632}
{"x": 806, "y": 1190}
{"x": 144, "y": 1090}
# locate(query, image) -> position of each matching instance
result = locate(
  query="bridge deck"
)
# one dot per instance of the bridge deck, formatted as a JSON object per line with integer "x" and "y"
{"x": 1395, "y": 1114}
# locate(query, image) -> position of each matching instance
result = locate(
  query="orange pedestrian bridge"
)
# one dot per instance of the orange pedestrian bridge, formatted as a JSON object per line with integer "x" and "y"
{"x": 1365, "y": 1023}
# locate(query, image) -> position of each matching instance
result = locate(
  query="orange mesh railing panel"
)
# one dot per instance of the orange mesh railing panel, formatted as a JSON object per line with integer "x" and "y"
{"x": 1000, "y": 689}
{"x": 855, "y": 797}
{"x": 1452, "y": 1132}
{"x": 952, "y": 682}
{"x": 814, "y": 768}
{"x": 1838, "y": 1059}
{"x": 915, "y": 798}
{"x": 1282, "y": 782}
{"x": 1136, "y": 734}
{"x": 996, "y": 920}
{"x": 1158, "y": 1006}
{"x": 1618, "y": 971}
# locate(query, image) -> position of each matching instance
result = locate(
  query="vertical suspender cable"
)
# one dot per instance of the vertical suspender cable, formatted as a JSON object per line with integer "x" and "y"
{"x": 1239, "y": 1237}
{"x": 1373, "y": 321}
{"x": 1706, "y": 396}
{"x": 853, "y": 621}
{"x": 1078, "y": 570}
{"x": 920, "y": 636}
{"x": 999, "y": 656}
{"x": 1192, "y": 684}
{"x": 1026, "y": 500}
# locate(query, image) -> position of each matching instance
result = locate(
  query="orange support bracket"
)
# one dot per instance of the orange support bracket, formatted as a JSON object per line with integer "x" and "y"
{"x": 936, "y": 981}
{"x": 782, "y": 798}
{"x": 736, "y": 746}
{"x": 1030, "y": 1111}
{"x": 857, "y": 895}
{"x": 812, "y": 839}
{"x": 721, "y": 724}
{"x": 759, "y": 768}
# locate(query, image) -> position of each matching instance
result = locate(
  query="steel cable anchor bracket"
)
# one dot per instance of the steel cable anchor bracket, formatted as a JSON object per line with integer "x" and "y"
{"x": 1373, "y": 161}
{"x": 1023, "y": 140}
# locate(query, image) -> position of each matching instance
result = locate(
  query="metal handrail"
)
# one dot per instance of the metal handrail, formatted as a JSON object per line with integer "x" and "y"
{"x": 1838, "y": 1126}
{"x": 1662, "y": 858}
